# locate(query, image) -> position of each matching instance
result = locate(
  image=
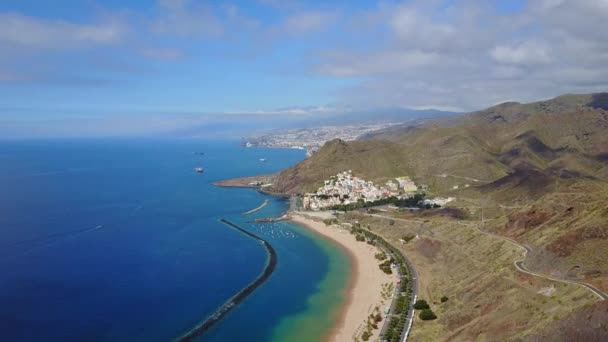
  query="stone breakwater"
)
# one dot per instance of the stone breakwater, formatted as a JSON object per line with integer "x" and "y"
{"x": 271, "y": 264}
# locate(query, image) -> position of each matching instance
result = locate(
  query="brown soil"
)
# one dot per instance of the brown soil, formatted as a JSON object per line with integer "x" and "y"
{"x": 566, "y": 244}
{"x": 427, "y": 247}
{"x": 519, "y": 223}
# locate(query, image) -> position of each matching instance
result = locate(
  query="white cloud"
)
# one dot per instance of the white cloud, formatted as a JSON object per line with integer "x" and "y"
{"x": 528, "y": 53}
{"x": 30, "y": 32}
{"x": 469, "y": 56}
{"x": 186, "y": 19}
{"x": 306, "y": 22}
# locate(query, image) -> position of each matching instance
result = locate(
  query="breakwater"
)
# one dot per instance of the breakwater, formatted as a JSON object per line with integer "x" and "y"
{"x": 265, "y": 203}
{"x": 271, "y": 264}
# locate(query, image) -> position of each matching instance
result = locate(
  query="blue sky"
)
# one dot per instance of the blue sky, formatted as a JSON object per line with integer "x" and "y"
{"x": 93, "y": 67}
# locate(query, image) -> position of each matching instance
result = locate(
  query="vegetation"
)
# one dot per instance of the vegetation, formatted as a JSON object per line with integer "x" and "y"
{"x": 421, "y": 304}
{"x": 408, "y": 237}
{"x": 380, "y": 256}
{"x": 444, "y": 299}
{"x": 329, "y": 222}
{"x": 427, "y": 315}
{"x": 386, "y": 267}
{"x": 410, "y": 202}
{"x": 396, "y": 325}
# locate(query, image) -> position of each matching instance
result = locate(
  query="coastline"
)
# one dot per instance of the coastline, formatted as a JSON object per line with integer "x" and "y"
{"x": 364, "y": 283}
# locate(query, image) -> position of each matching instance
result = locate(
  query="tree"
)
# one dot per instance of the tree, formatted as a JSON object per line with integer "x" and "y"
{"x": 427, "y": 315}
{"x": 365, "y": 336}
{"x": 444, "y": 299}
{"x": 378, "y": 317}
{"x": 421, "y": 304}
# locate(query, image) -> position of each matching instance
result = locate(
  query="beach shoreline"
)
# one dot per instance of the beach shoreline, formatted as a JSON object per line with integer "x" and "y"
{"x": 364, "y": 283}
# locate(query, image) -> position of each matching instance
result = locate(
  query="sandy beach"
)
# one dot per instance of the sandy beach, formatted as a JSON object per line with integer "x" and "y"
{"x": 365, "y": 290}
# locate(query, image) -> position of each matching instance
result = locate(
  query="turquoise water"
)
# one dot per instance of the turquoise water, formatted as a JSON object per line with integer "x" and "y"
{"x": 120, "y": 240}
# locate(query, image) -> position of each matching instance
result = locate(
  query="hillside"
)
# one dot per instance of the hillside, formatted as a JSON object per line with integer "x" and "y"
{"x": 510, "y": 145}
{"x": 536, "y": 173}
{"x": 376, "y": 160}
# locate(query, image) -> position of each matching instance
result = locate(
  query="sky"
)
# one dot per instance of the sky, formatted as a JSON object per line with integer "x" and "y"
{"x": 120, "y": 67}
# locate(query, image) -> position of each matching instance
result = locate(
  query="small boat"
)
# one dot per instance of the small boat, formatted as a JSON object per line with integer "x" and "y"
{"x": 199, "y": 169}
{"x": 263, "y": 160}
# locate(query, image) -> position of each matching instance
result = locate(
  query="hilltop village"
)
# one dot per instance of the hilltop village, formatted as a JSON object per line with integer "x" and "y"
{"x": 345, "y": 189}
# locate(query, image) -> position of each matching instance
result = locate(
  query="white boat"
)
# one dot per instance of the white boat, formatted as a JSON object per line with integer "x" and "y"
{"x": 263, "y": 160}
{"x": 199, "y": 169}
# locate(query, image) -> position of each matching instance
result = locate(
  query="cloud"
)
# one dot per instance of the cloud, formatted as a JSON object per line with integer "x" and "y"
{"x": 185, "y": 19}
{"x": 306, "y": 22}
{"x": 527, "y": 53}
{"x": 29, "y": 32}
{"x": 469, "y": 55}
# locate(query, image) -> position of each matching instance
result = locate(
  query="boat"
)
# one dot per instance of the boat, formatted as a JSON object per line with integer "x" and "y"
{"x": 263, "y": 160}
{"x": 199, "y": 169}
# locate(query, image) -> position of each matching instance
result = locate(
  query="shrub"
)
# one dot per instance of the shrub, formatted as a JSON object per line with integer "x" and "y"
{"x": 380, "y": 256}
{"x": 365, "y": 336}
{"x": 427, "y": 314}
{"x": 360, "y": 237}
{"x": 444, "y": 299}
{"x": 407, "y": 238}
{"x": 421, "y": 304}
{"x": 329, "y": 222}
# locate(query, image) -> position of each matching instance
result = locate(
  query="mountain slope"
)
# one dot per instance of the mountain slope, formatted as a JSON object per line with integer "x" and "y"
{"x": 536, "y": 173}
{"x": 538, "y": 159}
{"x": 372, "y": 160}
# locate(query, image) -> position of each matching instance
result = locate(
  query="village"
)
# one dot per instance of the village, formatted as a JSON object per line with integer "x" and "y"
{"x": 345, "y": 189}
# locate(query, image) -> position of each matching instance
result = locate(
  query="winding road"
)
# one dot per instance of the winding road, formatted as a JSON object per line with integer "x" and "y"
{"x": 519, "y": 264}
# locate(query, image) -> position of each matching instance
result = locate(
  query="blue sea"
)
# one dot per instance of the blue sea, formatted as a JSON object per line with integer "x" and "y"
{"x": 120, "y": 240}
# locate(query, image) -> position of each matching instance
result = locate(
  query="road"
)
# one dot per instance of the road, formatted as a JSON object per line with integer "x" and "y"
{"x": 410, "y": 313}
{"x": 519, "y": 264}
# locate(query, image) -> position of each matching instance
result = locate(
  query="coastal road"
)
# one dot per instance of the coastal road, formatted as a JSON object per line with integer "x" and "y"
{"x": 410, "y": 313}
{"x": 394, "y": 298}
{"x": 414, "y": 283}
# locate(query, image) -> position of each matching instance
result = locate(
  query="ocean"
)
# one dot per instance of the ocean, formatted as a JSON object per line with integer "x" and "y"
{"x": 120, "y": 240}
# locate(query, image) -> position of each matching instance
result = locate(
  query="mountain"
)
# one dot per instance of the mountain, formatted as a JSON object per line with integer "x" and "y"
{"x": 536, "y": 173}
{"x": 547, "y": 161}
{"x": 501, "y": 146}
